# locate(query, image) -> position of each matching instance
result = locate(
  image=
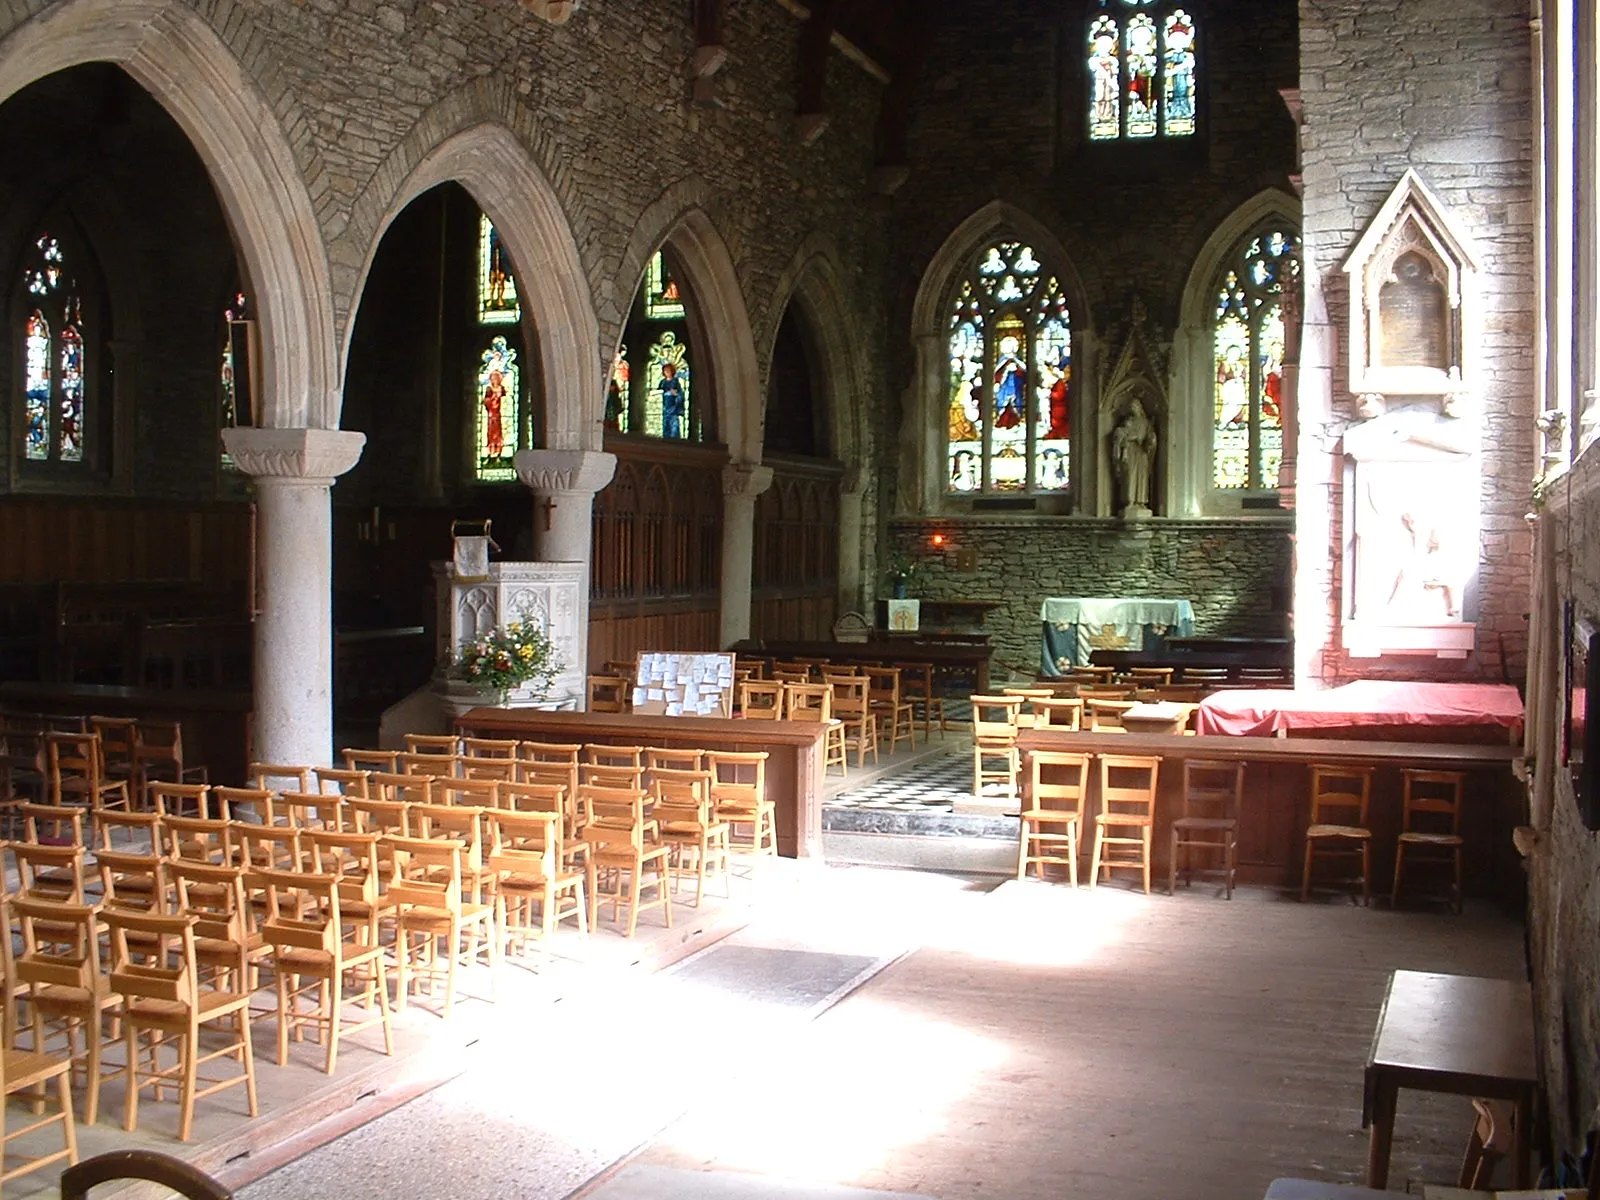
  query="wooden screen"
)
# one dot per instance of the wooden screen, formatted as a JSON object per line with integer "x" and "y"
{"x": 794, "y": 591}
{"x": 656, "y": 569}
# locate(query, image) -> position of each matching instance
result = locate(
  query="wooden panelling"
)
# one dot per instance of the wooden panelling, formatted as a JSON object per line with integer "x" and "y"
{"x": 116, "y": 540}
{"x": 795, "y": 573}
{"x": 656, "y": 568}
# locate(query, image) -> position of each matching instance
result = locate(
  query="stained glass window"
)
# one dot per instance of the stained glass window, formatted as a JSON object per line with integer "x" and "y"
{"x": 55, "y": 359}
{"x": 652, "y": 390}
{"x": 1009, "y": 425}
{"x": 1247, "y": 357}
{"x": 1140, "y": 61}
{"x": 233, "y": 373}
{"x": 498, "y": 395}
{"x": 497, "y": 283}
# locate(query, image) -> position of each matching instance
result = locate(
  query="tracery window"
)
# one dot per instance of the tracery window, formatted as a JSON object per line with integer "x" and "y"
{"x": 497, "y": 377}
{"x": 1010, "y": 390}
{"x": 56, "y": 354}
{"x": 234, "y": 372}
{"x": 653, "y": 390}
{"x": 1142, "y": 80}
{"x": 1247, "y": 358}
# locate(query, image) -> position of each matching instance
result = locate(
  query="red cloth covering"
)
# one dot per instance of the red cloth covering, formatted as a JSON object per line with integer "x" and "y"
{"x": 1263, "y": 712}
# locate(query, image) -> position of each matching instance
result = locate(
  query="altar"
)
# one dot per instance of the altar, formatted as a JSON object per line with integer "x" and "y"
{"x": 1075, "y": 627}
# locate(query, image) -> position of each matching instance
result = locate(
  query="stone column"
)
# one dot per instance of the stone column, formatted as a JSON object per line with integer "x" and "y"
{"x": 852, "y": 489}
{"x": 294, "y": 470}
{"x": 741, "y": 484}
{"x": 564, "y": 483}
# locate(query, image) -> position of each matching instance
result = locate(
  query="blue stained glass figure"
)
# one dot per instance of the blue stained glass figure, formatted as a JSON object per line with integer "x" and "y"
{"x": 673, "y": 402}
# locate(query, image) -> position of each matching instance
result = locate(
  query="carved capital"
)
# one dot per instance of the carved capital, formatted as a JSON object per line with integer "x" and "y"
{"x": 308, "y": 455}
{"x": 565, "y": 470}
{"x": 555, "y": 11}
{"x": 745, "y": 480}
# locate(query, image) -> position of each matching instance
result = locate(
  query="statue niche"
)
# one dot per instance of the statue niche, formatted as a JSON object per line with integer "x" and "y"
{"x": 1133, "y": 409}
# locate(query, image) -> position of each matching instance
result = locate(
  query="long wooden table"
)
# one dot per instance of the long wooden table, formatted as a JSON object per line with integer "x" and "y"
{"x": 794, "y": 752}
{"x": 1276, "y": 806}
{"x": 1450, "y": 1033}
{"x": 946, "y": 657}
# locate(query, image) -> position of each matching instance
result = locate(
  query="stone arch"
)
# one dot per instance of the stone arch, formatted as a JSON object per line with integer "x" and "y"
{"x": 922, "y": 427}
{"x": 180, "y": 60}
{"x": 677, "y": 219}
{"x": 1191, "y": 380}
{"x": 492, "y": 164}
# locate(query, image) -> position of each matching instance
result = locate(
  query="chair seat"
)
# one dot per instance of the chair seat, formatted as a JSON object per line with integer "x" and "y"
{"x": 174, "y": 1014}
{"x": 1204, "y": 823}
{"x": 25, "y": 1068}
{"x": 1048, "y": 816}
{"x": 1339, "y": 831}
{"x": 1433, "y": 839}
{"x": 1138, "y": 819}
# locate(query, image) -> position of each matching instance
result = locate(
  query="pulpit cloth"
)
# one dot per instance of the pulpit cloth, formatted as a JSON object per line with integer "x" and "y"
{"x": 1265, "y": 712}
{"x": 1075, "y": 627}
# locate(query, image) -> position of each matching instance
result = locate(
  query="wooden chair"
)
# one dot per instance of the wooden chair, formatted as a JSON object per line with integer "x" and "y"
{"x": 1105, "y": 716}
{"x": 853, "y": 710}
{"x": 29, "y": 1071}
{"x": 471, "y": 793}
{"x": 228, "y": 946}
{"x": 136, "y": 881}
{"x": 663, "y": 758}
{"x": 200, "y": 839}
{"x": 165, "y": 999}
{"x": 1209, "y": 822}
{"x": 546, "y": 755}
{"x": 1030, "y": 696}
{"x": 1058, "y": 713}
{"x": 279, "y": 777}
{"x": 1341, "y": 797}
{"x": 158, "y": 757}
{"x": 441, "y": 745}
{"x": 77, "y": 772}
{"x": 1148, "y": 676}
{"x": 1432, "y": 822}
{"x": 894, "y": 711}
{"x": 357, "y": 860}
{"x": 490, "y": 748}
{"x": 22, "y": 765}
{"x": 425, "y": 886}
{"x": 685, "y": 816}
{"x": 49, "y": 872}
{"x": 431, "y": 766}
{"x": 52, "y": 824}
{"x": 1107, "y": 691}
{"x": 1205, "y": 676}
{"x": 135, "y": 832}
{"x": 179, "y": 799}
{"x": 1086, "y": 673}
{"x": 307, "y": 810}
{"x": 621, "y": 850}
{"x": 553, "y": 798}
{"x": 761, "y": 700}
{"x": 1266, "y": 677}
{"x": 808, "y": 702}
{"x": 385, "y": 762}
{"x": 173, "y": 1174}
{"x": 384, "y": 818}
{"x": 234, "y": 804}
{"x": 607, "y": 694}
{"x": 458, "y": 823}
{"x": 610, "y": 775}
{"x": 316, "y": 956}
{"x": 410, "y": 789}
{"x": 118, "y": 737}
{"x": 1052, "y": 813}
{"x": 338, "y": 781}
{"x": 528, "y": 860}
{"x": 57, "y": 972}
{"x": 1127, "y": 815}
{"x": 500, "y": 770}
{"x": 739, "y": 798}
{"x": 994, "y": 744}
{"x": 916, "y": 689}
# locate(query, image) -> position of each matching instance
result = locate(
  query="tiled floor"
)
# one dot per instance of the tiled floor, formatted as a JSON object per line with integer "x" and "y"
{"x": 933, "y": 785}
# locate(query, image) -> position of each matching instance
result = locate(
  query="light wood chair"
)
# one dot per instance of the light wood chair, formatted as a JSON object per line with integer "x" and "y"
{"x": 1086, "y": 673}
{"x": 551, "y": 754}
{"x": 386, "y": 762}
{"x": 471, "y": 793}
{"x": 1105, "y": 716}
{"x": 49, "y": 872}
{"x": 30, "y": 1071}
{"x": 490, "y": 747}
{"x": 664, "y": 758}
{"x": 917, "y": 690}
{"x": 607, "y": 694}
{"x": 307, "y": 810}
{"x": 1148, "y": 676}
{"x": 118, "y": 737}
{"x": 357, "y": 860}
{"x": 1127, "y": 816}
{"x": 554, "y": 798}
{"x": 431, "y": 766}
{"x": 338, "y": 781}
{"x": 464, "y": 824}
{"x": 1031, "y": 697}
{"x": 1208, "y": 824}
{"x": 1431, "y": 822}
{"x": 133, "y": 880}
{"x": 57, "y": 972}
{"x": 158, "y": 756}
{"x": 527, "y": 855}
{"x": 808, "y": 702}
{"x": 164, "y": 1006}
{"x": 77, "y": 772}
{"x": 896, "y": 714}
{"x": 685, "y": 816}
{"x": 995, "y": 760}
{"x": 412, "y": 789}
{"x": 1341, "y": 797}
{"x": 179, "y": 799}
{"x": 316, "y": 956}
{"x": 852, "y": 708}
{"x": 133, "y": 832}
{"x": 1058, "y": 712}
{"x": 426, "y": 888}
{"x": 761, "y": 700}
{"x": 53, "y": 824}
{"x": 279, "y": 777}
{"x": 442, "y": 745}
{"x": 227, "y": 938}
{"x": 381, "y": 817}
{"x": 1052, "y": 812}
{"x": 501, "y": 770}
{"x": 200, "y": 839}
{"x": 610, "y": 775}
{"x": 622, "y": 848}
{"x": 235, "y": 804}
{"x": 739, "y": 797}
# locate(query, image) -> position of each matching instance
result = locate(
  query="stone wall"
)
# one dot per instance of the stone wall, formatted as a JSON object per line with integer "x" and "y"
{"x": 1235, "y": 572}
{"x": 1443, "y": 87}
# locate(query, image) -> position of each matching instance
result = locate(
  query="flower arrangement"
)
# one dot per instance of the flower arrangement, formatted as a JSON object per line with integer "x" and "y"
{"x": 511, "y": 656}
{"x": 904, "y": 572}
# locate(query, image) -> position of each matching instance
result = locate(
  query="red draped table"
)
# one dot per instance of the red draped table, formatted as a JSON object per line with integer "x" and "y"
{"x": 1364, "y": 703}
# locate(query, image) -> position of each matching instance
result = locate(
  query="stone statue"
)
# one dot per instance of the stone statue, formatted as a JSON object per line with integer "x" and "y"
{"x": 1133, "y": 454}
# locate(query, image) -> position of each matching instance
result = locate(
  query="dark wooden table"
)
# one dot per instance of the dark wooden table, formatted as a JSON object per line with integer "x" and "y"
{"x": 946, "y": 657}
{"x": 1450, "y": 1033}
{"x": 794, "y": 752}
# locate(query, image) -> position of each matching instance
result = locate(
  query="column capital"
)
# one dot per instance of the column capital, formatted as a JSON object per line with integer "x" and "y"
{"x": 315, "y": 456}
{"x": 565, "y": 470}
{"x": 745, "y": 480}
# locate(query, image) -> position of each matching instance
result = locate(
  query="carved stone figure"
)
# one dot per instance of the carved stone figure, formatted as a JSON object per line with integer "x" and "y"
{"x": 1133, "y": 454}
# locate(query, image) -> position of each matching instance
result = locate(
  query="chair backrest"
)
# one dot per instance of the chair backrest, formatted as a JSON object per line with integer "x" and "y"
{"x": 413, "y": 789}
{"x": 1120, "y": 691}
{"x": 173, "y": 1174}
{"x": 60, "y": 944}
{"x": 435, "y": 766}
{"x": 137, "y": 880}
{"x": 916, "y": 680}
{"x": 341, "y": 781}
{"x": 386, "y": 761}
{"x": 118, "y": 736}
{"x": 233, "y": 804}
{"x": 661, "y": 758}
{"x": 602, "y": 776}
{"x": 850, "y": 702}
{"x": 352, "y": 857}
{"x": 811, "y": 702}
{"x": 501, "y": 770}
{"x": 380, "y": 817}
{"x": 306, "y": 810}
{"x": 1058, "y": 713}
{"x": 761, "y": 699}
{"x": 995, "y": 717}
{"x": 52, "y": 824}
{"x": 269, "y": 846}
{"x": 314, "y": 899}
{"x": 1150, "y": 675}
{"x": 1058, "y": 781}
{"x": 1432, "y": 801}
{"x": 169, "y": 974}
{"x": 76, "y": 768}
{"x": 279, "y": 777}
{"x": 550, "y": 752}
{"x": 139, "y": 833}
{"x": 601, "y": 755}
{"x": 1107, "y": 714}
{"x": 180, "y": 799}
{"x": 739, "y": 776}
{"x": 616, "y": 815}
{"x": 1212, "y": 789}
{"x": 547, "y": 774}
{"x": 1128, "y": 784}
{"x": 426, "y": 872}
{"x": 479, "y": 793}
{"x": 453, "y": 823}
{"x": 607, "y": 694}
{"x": 1205, "y": 675}
{"x": 1087, "y": 673}
{"x": 525, "y": 844}
{"x": 1340, "y": 795}
{"x": 489, "y": 747}
{"x": 199, "y": 839}
{"x": 534, "y": 797}
{"x": 687, "y": 787}
{"x": 49, "y": 872}
{"x": 883, "y": 684}
{"x": 214, "y": 900}
{"x": 444, "y": 745}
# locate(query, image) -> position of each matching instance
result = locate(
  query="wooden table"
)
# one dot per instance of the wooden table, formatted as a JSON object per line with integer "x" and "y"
{"x": 794, "y": 752}
{"x": 946, "y": 657}
{"x": 1157, "y": 717}
{"x": 1450, "y": 1033}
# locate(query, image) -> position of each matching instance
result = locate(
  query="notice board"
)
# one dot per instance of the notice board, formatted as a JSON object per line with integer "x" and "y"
{"x": 671, "y": 683}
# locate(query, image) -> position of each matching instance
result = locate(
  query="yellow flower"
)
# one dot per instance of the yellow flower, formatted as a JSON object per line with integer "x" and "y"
{"x": 526, "y": 652}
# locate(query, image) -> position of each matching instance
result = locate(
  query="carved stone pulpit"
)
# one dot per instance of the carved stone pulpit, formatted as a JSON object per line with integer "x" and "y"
{"x": 546, "y": 593}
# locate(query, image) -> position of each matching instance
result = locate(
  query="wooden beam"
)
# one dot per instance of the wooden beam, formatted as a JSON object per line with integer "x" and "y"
{"x": 841, "y": 43}
{"x": 710, "y": 49}
{"x": 811, "y": 76}
{"x": 918, "y": 20}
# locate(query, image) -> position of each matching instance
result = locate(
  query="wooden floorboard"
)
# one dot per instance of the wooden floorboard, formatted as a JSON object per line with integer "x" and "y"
{"x": 1100, "y": 1044}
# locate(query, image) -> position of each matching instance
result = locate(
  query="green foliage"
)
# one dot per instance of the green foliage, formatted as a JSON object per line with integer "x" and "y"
{"x": 511, "y": 656}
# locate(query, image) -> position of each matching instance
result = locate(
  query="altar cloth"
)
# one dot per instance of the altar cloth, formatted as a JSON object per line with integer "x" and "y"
{"x": 1074, "y": 627}
{"x": 1264, "y": 712}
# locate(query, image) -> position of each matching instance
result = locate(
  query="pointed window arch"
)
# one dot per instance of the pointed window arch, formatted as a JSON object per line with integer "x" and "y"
{"x": 1247, "y": 349}
{"x": 1010, "y": 391}
{"x": 1143, "y": 81}
{"x": 236, "y": 390}
{"x": 655, "y": 389}
{"x": 497, "y": 374}
{"x": 59, "y": 343}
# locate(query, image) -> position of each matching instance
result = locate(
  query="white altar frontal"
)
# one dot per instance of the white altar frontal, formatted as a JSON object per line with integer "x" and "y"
{"x": 1074, "y": 627}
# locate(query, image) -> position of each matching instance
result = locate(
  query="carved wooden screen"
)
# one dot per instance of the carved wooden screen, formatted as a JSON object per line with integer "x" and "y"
{"x": 794, "y": 591}
{"x": 656, "y": 581}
